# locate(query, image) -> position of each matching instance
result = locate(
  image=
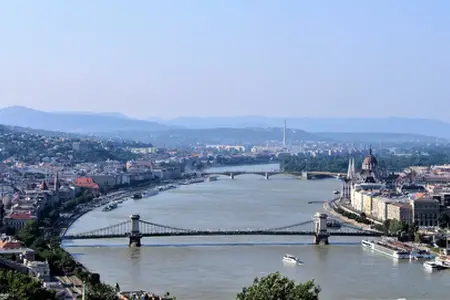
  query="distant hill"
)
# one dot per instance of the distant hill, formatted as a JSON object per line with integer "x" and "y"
{"x": 237, "y": 130}
{"x": 107, "y": 114}
{"x": 259, "y": 136}
{"x": 425, "y": 127}
{"x": 378, "y": 137}
{"x": 240, "y": 136}
{"x": 72, "y": 122}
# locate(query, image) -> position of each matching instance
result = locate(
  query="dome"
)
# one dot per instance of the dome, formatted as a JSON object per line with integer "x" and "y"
{"x": 369, "y": 162}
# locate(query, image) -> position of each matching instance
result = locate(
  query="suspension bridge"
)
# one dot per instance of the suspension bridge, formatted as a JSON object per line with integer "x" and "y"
{"x": 135, "y": 229}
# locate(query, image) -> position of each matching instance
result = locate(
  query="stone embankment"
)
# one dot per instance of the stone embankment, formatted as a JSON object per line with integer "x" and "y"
{"x": 329, "y": 208}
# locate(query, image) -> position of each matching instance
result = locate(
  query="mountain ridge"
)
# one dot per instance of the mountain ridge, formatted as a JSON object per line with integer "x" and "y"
{"x": 421, "y": 126}
{"x": 72, "y": 122}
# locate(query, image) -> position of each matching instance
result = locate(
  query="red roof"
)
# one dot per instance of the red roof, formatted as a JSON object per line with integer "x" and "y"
{"x": 20, "y": 216}
{"x": 86, "y": 182}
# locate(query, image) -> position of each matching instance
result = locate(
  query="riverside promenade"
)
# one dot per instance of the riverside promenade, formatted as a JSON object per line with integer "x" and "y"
{"x": 329, "y": 208}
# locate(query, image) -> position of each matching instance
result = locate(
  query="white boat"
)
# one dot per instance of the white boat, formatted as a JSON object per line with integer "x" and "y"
{"x": 443, "y": 261}
{"x": 385, "y": 248}
{"x": 367, "y": 244}
{"x": 291, "y": 259}
{"x": 431, "y": 266}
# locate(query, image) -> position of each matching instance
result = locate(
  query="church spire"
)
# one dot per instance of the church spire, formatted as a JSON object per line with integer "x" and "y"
{"x": 349, "y": 169}
{"x": 57, "y": 183}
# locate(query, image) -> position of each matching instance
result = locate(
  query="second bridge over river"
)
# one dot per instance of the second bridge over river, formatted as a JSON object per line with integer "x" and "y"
{"x": 135, "y": 229}
{"x": 268, "y": 174}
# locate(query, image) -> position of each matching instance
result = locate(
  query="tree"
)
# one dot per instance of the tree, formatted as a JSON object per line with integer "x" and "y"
{"x": 100, "y": 291}
{"x": 22, "y": 287}
{"x": 277, "y": 287}
{"x": 395, "y": 226}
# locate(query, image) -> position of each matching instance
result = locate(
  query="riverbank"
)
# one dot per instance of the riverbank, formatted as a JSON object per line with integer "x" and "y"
{"x": 330, "y": 207}
{"x": 122, "y": 195}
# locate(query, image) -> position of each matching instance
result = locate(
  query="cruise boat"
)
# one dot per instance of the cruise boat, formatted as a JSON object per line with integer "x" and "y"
{"x": 291, "y": 259}
{"x": 367, "y": 244}
{"x": 431, "y": 266}
{"x": 384, "y": 247}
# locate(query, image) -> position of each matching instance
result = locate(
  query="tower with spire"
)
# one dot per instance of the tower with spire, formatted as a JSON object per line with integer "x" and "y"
{"x": 57, "y": 183}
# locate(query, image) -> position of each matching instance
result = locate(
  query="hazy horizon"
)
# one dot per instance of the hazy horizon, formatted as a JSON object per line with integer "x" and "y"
{"x": 150, "y": 118}
{"x": 202, "y": 58}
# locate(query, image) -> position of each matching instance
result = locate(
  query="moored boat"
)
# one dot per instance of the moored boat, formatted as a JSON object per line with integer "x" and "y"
{"x": 137, "y": 196}
{"x": 432, "y": 266}
{"x": 385, "y": 247}
{"x": 367, "y": 244}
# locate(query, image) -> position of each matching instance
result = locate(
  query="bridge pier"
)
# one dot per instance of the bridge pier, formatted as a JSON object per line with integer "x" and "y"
{"x": 135, "y": 234}
{"x": 266, "y": 176}
{"x": 231, "y": 176}
{"x": 320, "y": 229}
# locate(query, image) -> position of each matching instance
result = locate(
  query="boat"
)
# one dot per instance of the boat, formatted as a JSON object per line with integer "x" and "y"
{"x": 137, "y": 196}
{"x": 432, "y": 266}
{"x": 291, "y": 259}
{"x": 443, "y": 260}
{"x": 421, "y": 254}
{"x": 367, "y": 244}
{"x": 384, "y": 247}
{"x": 333, "y": 223}
{"x": 110, "y": 206}
{"x": 212, "y": 178}
{"x": 336, "y": 192}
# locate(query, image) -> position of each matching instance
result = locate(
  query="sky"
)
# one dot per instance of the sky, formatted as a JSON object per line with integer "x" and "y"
{"x": 173, "y": 58}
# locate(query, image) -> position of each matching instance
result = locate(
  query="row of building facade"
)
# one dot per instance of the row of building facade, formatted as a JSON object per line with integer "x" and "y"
{"x": 367, "y": 192}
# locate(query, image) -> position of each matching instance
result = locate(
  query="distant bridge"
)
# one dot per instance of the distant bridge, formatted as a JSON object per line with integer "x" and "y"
{"x": 135, "y": 229}
{"x": 268, "y": 174}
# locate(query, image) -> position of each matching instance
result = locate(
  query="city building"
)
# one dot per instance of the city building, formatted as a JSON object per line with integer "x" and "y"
{"x": 18, "y": 220}
{"x": 425, "y": 210}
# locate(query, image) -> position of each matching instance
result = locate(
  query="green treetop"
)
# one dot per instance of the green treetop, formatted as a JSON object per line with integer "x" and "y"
{"x": 277, "y": 287}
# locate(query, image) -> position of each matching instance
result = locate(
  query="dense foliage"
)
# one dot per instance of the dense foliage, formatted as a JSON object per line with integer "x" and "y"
{"x": 61, "y": 263}
{"x": 277, "y": 287}
{"x": 22, "y": 287}
{"x": 32, "y": 147}
{"x": 386, "y": 160}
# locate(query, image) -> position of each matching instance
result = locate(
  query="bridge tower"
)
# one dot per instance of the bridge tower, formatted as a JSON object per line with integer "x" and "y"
{"x": 320, "y": 229}
{"x": 135, "y": 234}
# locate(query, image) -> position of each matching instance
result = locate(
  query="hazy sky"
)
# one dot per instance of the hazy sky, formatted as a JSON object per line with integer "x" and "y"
{"x": 221, "y": 58}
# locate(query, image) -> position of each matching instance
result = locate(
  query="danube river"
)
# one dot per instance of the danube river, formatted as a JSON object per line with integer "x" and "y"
{"x": 207, "y": 268}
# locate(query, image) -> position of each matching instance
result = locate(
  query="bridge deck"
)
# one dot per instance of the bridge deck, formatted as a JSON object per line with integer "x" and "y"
{"x": 219, "y": 233}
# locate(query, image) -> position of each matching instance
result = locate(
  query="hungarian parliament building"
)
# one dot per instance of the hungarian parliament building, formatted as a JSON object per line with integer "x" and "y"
{"x": 379, "y": 196}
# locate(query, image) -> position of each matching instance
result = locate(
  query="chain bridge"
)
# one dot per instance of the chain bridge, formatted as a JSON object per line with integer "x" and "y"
{"x": 135, "y": 229}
